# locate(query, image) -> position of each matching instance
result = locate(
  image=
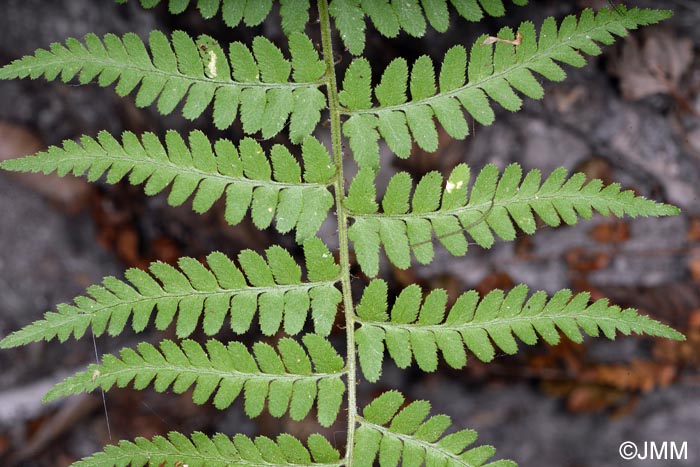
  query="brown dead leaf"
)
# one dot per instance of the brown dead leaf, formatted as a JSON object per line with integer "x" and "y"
{"x": 609, "y": 387}
{"x": 565, "y": 372}
{"x": 592, "y": 399}
{"x": 642, "y": 376}
{"x": 694, "y": 320}
{"x": 524, "y": 247}
{"x": 4, "y": 444}
{"x": 65, "y": 460}
{"x": 69, "y": 193}
{"x": 496, "y": 280}
{"x": 165, "y": 249}
{"x": 652, "y": 65}
{"x": 584, "y": 261}
{"x": 681, "y": 353}
{"x": 693, "y": 264}
{"x": 567, "y": 99}
{"x": 404, "y": 277}
{"x": 127, "y": 245}
{"x": 694, "y": 230}
{"x": 449, "y": 282}
{"x": 617, "y": 231}
{"x": 596, "y": 168}
{"x": 492, "y": 40}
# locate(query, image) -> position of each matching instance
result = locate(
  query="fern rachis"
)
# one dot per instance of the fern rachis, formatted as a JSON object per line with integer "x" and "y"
{"x": 266, "y": 91}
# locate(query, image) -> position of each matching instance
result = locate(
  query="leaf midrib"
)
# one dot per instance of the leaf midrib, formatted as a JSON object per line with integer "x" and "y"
{"x": 238, "y": 461}
{"x": 221, "y": 374}
{"x": 501, "y": 321}
{"x": 188, "y": 170}
{"x": 502, "y": 203}
{"x": 59, "y": 60}
{"x": 78, "y": 313}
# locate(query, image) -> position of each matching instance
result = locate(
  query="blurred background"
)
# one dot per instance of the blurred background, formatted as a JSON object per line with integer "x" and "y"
{"x": 632, "y": 115}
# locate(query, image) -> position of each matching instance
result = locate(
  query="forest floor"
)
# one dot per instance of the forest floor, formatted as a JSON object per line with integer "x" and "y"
{"x": 632, "y": 115}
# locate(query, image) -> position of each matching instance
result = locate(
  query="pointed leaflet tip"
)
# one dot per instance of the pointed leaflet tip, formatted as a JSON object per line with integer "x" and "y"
{"x": 651, "y": 327}
{"x": 8, "y": 71}
{"x": 28, "y": 334}
{"x": 10, "y": 342}
{"x": 11, "y": 165}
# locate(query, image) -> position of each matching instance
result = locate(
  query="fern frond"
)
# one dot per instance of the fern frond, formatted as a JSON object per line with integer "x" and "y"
{"x": 177, "y": 450}
{"x": 245, "y": 176}
{"x": 198, "y": 73}
{"x": 283, "y": 376}
{"x": 392, "y": 433}
{"x": 294, "y": 13}
{"x": 390, "y": 17}
{"x": 272, "y": 287}
{"x": 495, "y": 204}
{"x": 493, "y": 73}
{"x": 417, "y": 327}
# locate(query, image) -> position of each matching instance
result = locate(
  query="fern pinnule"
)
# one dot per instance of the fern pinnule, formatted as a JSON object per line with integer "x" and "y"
{"x": 393, "y": 432}
{"x": 198, "y": 73}
{"x": 495, "y": 204}
{"x": 489, "y": 73}
{"x": 417, "y": 328}
{"x": 270, "y": 185}
{"x": 410, "y": 16}
{"x": 272, "y": 288}
{"x": 177, "y": 450}
{"x": 294, "y": 13}
{"x": 350, "y": 16}
{"x": 282, "y": 376}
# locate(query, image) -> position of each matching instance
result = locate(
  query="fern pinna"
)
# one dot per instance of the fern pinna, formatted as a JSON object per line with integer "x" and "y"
{"x": 294, "y": 188}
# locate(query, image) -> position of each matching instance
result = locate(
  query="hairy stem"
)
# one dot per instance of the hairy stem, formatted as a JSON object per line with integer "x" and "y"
{"x": 342, "y": 215}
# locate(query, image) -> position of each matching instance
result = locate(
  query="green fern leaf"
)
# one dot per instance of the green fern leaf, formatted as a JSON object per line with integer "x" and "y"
{"x": 492, "y": 73}
{"x": 196, "y": 72}
{"x": 284, "y": 377}
{"x": 390, "y": 17}
{"x": 390, "y": 433}
{"x": 273, "y": 288}
{"x": 496, "y": 204}
{"x": 177, "y": 450}
{"x": 245, "y": 176}
{"x": 416, "y": 328}
{"x": 294, "y": 13}
{"x": 270, "y": 92}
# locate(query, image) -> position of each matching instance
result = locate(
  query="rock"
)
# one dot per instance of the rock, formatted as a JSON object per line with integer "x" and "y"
{"x": 45, "y": 259}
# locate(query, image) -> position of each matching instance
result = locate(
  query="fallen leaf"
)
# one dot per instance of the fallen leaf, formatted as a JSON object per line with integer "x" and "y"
{"x": 617, "y": 231}
{"x": 592, "y": 399}
{"x": 694, "y": 230}
{"x": 583, "y": 260}
{"x": 496, "y": 280}
{"x": 652, "y": 65}
{"x": 693, "y": 265}
{"x": 640, "y": 375}
{"x": 566, "y": 99}
{"x": 4, "y": 444}
{"x": 596, "y": 168}
{"x": 681, "y": 353}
